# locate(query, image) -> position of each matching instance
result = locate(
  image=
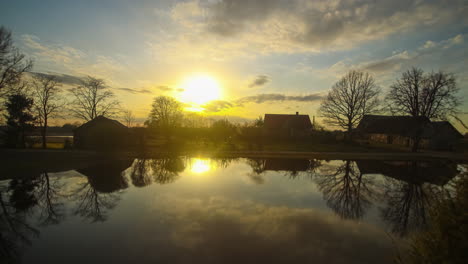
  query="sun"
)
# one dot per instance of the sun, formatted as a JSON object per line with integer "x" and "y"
{"x": 200, "y": 89}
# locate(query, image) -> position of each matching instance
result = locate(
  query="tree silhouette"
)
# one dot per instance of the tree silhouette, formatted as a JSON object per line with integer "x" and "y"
{"x": 347, "y": 192}
{"x": 166, "y": 112}
{"x": 432, "y": 95}
{"x": 46, "y": 101}
{"x": 12, "y": 63}
{"x": 92, "y": 99}
{"x": 352, "y": 97}
{"x": 19, "y": 119}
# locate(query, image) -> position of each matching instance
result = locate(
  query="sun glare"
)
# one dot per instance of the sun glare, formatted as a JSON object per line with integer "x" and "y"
{"x": 200, "y": 89}
{"x": 200, "y": 166}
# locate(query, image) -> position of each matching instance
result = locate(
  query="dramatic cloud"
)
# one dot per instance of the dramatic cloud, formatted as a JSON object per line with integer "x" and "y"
{"x": 260, "y": 80}
{"x": 217, "y": 106}
{"x": 262, "y": 98}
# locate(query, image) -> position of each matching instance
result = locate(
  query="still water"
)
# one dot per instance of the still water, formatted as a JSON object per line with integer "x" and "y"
{"x": 202, "y": 210}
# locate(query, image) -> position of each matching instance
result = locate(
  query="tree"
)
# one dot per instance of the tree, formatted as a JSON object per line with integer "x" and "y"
{"x": 92, "y": 99}
{"x": 19, "y": 119}
{"x": 418, "y": 94}
{"x": 352, "y": 97}
{"x": 432, "y": 95}
{"x": 166, "y": 112}
{"x": 259, "y": 122}
{"x": 128, "y": 117}
{"x": 12, "y": 63}
{"x": 46, "y": 101}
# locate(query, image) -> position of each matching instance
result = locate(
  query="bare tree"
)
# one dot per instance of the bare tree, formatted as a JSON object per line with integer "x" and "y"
{"x": 92, "y": 99}
{"x": 165, "y": 112}
{"x": 46, "y": 101}
{"x": 352, "y": 97}
{"x": 432, "y": 95}
{"x": 128, "y": 117}
{"x": 12, "y": 63}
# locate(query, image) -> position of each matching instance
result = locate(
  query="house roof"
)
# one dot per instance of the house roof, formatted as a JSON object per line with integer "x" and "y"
{"x": 395, "y": 125}
{"x": 406, "y": 126}
{"x": 444, "y": 127}
{"x": 279, "y": 121}
{"x": 100, "y": 120}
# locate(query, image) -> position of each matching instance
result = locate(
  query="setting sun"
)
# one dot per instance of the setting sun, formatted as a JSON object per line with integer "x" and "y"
{"x": 200, "y": 89}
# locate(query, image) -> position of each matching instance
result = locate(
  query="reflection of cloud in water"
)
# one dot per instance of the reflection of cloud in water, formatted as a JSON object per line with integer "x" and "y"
{"x": 219, "y": 230}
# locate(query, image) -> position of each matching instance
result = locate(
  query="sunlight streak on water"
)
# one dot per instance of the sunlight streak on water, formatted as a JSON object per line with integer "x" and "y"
{"x": 200, "y": 166}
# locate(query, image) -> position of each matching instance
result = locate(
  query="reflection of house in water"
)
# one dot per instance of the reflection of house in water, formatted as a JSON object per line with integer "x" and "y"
{"x": 401, "y": 130}
{"x": 287, "y": 125}
{"x": 106, "y": 176}
{"x": 435, "y": 172}
{"x": 293, "y": 165}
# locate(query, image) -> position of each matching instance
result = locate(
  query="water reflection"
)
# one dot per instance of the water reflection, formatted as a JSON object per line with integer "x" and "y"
{"x": 226, "y": 216}
{"x": 164, "y": 170}
{"x": 347, "y": 191}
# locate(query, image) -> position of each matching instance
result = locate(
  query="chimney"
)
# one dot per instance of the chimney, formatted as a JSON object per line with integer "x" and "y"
{"x": 297, "y": 113}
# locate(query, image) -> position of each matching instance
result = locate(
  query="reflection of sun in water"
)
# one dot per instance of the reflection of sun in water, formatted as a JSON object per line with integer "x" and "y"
{"x": 200, "y": 89}
{"x": 200, "y": 166}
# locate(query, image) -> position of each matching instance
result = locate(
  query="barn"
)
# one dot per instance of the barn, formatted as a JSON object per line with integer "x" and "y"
{"x": 287, "y": 125}
{"x": 401, "y": 130}
{"x": 101, "y": 133}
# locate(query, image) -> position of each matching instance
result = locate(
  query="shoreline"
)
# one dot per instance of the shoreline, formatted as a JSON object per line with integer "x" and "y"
{"x": 43, "y": 154}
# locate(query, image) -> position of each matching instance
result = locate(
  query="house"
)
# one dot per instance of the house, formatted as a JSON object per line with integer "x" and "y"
{"x": 287, "y": 125}
{"x": 444, "y": 136}
{"x": 101, "y": 133}
{"x": 402, "y": 130}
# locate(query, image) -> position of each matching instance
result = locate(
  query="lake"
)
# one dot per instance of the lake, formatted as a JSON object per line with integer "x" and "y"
{"x": 208, "y": 210}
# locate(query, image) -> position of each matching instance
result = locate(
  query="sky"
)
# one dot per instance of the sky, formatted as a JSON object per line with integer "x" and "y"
{"x": 269, "y": 56}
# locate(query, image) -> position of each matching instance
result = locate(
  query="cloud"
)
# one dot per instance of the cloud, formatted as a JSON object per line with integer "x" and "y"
{"x": 58, "y": 57}
{"x": 62, "y": 78}
{"x": 239, "y": 231}
{"x": 262, "y": 98}
{"x": 166, "y": 88}
{"x": 218, "y": 106}
{"x": 135, "y": 91}
{"x": 260, "y": 80}
{"x": 442, "y": 54}
{"x": 324, "y": 25}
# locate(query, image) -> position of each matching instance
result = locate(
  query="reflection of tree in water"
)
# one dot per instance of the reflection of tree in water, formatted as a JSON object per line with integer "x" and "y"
{"x": 40, "y": 192}
{"x": 258, "y": 169}
{"x": 15, "y": 232}
{"x": 407, "y": 204}
{"x": 162, "y": 171}
{"x": 345, "y": 189}
{"x": 100, "y": 193}
{"x": 92, "y": 204}
{"x": 409, "y": 188}
{"x": 222, "y": 163}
